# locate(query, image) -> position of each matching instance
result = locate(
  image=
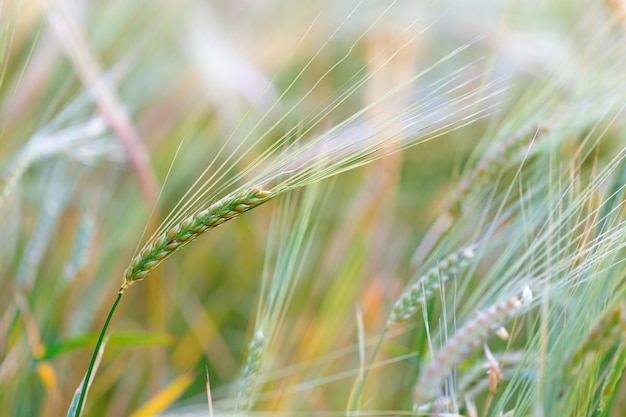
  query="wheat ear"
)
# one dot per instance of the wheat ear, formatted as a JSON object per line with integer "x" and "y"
{"x": 427, "y": 284}
{"x": 247, "y": 390}
{"x": 465, "y": 341}
{"x": 161, "y": 247}
{"x": 492, "y": 164}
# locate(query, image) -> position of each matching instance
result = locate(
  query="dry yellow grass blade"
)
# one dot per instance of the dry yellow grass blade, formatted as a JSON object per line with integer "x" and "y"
{"x": 164, "y": 398}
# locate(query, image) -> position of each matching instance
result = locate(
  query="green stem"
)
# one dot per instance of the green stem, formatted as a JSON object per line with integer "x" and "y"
{"x": 354, "y": 403}
{"x": 83, "y": 390}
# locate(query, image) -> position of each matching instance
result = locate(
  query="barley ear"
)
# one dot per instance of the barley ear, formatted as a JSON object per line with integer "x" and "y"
{"x": 492, "y": 164}
{"x": 466, "y": 339}
{"x": 247, "y": 390}
{"x": 182, "y": 233}
{"x": 418, "y": 293}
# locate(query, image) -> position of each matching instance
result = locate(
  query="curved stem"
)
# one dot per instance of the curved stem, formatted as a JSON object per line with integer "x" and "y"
{"x": 83, "y": 391}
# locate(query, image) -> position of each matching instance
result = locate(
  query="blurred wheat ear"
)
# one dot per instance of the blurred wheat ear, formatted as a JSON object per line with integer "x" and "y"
{"x": 420, "y": 292}
{"x": 465, "y": 340}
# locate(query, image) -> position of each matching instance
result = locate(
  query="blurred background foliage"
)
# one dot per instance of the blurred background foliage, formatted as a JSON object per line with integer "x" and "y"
{"x": 107, "y": 105}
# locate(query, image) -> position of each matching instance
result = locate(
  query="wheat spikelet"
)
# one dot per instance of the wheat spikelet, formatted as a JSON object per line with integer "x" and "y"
{"x": 465, "y": 341}
{"x": 427, "y": 284}
{"x": 161, "y": 247}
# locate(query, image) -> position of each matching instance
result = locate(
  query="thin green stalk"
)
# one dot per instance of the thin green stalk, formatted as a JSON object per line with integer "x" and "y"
{"x": 358, "y": 387}
{"x": 83, "y": 391}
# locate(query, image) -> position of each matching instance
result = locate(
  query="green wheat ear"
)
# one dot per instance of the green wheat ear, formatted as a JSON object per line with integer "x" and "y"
{"x": 190, "y": 228}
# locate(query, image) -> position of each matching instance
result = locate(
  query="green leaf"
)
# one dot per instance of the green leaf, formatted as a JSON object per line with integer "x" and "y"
{"x": 117, "y": 339}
